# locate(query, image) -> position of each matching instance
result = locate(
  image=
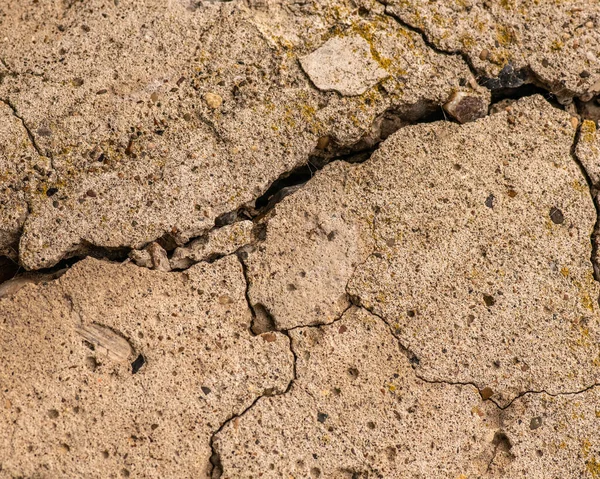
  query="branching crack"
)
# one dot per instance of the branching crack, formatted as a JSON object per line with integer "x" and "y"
{"x": 216, "y": 470}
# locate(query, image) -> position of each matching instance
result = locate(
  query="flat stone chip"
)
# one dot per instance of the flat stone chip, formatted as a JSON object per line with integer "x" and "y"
{"x": 68, "y": 410}
{"x": 502, "y": 296}
{"x": 343, "y": 64}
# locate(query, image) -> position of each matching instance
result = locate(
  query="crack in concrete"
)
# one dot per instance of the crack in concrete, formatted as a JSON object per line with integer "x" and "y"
{"x": 593, "y": 192}
{"x": 431, "y": 45}
{"x": 216, "y": 469}
{"x": 355, "y": 301}
{"x": 37, "y": 148}
{"x": 526, "y": 74}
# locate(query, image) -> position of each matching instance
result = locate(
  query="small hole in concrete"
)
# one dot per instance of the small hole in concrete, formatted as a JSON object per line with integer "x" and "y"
{"x": 137, "y": 364}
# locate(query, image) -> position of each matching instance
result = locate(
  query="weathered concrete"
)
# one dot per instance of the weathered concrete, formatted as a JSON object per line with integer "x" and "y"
{"x": 76, "y": 404}
{"x": 186, "y": 112}
{"x": 510, "y": 42}
{"x": 551, "y": 436}
{"x": 298, "y": 301}
{"x": 356, "y": 409}
{"x": 588, "y": 150}
{"x": 221, "y": 241}
{"x": 21, "y": 170}
{"x": 472, "y": 242}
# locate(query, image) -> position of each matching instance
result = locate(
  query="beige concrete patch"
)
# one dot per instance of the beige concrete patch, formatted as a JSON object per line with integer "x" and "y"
{"x": 551, "y": 436}
{"x": 21, "y": 168}
{"x": 356, "y": 409}
{"x": 472, "y": 242}
{"x": 118, "y": 371}
{"x": 588, "y": 150}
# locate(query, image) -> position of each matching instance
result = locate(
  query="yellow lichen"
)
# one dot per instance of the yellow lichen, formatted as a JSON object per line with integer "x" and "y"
{"x": 588, "y": 131}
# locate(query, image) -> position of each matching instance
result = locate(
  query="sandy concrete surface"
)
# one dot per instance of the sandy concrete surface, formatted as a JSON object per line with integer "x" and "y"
{"x": 347, "y": 239}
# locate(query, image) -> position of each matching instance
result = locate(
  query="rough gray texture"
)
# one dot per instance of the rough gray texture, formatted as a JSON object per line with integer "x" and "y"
{"x": 77, "y": 408}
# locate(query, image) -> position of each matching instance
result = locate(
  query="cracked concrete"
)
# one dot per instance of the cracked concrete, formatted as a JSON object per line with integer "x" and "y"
{"x": 411, "y": 297}
{"x": 363, "y": 413}
{"x": 472, "y": 242}
{"x": 76, "y": 405}
{"x": 138, "y": 150}
{"x": 508, "y": 43}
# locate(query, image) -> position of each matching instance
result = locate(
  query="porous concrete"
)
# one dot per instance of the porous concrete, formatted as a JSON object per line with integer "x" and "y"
{"x": 117, "y": 371}
{"x": 341, "y": 239}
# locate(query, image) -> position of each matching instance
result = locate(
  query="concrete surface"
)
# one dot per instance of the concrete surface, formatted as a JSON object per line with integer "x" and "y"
{"x": 77, "y": 400}
{"x": 314, "y": 239}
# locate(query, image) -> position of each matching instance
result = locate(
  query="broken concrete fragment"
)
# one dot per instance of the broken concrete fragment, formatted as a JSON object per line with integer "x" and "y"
{"x": 142, "y": 258}
{"x": 588, "y": 150}
{"x": 513, "y": 42}
{"x": 478, "y": 293}
{"x": 152, "y": 256}
{"x": 106, "y": 342}
{"x": 356, "y": 407}
{"x": 217, "y": 242}
{"x": 68, "y": 411}
{"x": 159, "y": 258}
{"x": 344, "y": 64}
{"x": 465, "y": 107}
{"x": 298, "y": 275}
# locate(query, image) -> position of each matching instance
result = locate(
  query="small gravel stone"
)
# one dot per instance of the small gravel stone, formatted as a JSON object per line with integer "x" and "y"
{"x": 213, "y": 100}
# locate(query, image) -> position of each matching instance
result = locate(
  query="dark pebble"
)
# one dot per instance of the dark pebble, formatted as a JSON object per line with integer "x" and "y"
{"x": 535, "y": 422}
{"x": 556, "y": 216}
{"x": 489, "y": 300}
